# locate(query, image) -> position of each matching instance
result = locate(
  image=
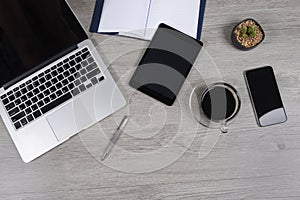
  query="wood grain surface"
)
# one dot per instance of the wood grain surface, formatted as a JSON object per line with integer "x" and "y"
{"x": 198, "y": 163}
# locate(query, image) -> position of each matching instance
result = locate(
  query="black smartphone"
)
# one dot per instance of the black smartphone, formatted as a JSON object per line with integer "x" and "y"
{"x": 165, "y": 64}
{"x": 265, "y": 96}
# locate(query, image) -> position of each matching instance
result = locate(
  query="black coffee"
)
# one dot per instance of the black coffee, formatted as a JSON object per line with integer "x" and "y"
{"x": 218, "y": 103}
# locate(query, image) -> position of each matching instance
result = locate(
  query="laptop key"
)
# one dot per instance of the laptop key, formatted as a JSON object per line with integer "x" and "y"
{"x": 65, "y": 82}
{"x": 65, "y": 89}
{"x": 16, "y": 89}
{"x": 54, "y": 73}
{"x": 56, "y": 102}
{"x": 78, "y": 59}
{"x": 90, "y": 60}
{"x": 36, "y": 91}
{"x": 5, "y": 101}
{"x": 24, "y": 121}
{"x": 84, "y": 63}
{"x": 34, "y": 99}
{"x": 24, "y": 90}
{"x": 78, "y": 53}
{"x": 23, "y": 98}
{"x": 18, "y": 102}
{"x": 28, "y": 103}
{"x": 48, "y": 84}
{"x": 93, "y": 73}
{"x": 82, "y": 88}
{"x": 10, "y": 106}
{"x": 37, "y": 113}
{"x": 41, "y": 96}
{"x": 77, "y": 82}
{"x": 42, "y": 87}
{"x": 66, "y": 73}
{"x": 28, "y": 111}
{"x": 46, "y": 92}
{"x": 71, "y": 78}
{"x": 54, "y": 81}
{"x": 54, "y": 67}
{"x": 10, "y": 93}
{"x": 22, "y": 106}
{"x": 29, "y": 94}
{"x": 35, "y": 83}
{"x": 14, "y": 111}
{"x": 94, "y": 81}
{"x": 30, "y": 118}
{"x": 72, "y": 63}
{"x": 75, "y": 92}
{"x": 3, "y": 96}
{"x": 83, "y": 72}
{"x": 91, "y": 67}
{"x": 66, "y": 66}
{"x": 52, "y": 89}
{"x": 48, "y": 76}
{"x": 60, "y": 70}
{"x": 71, "y": 86}
{"x": 17, "y": 125}
{"x": 42, "y": 80}
{"x": 60, "y": 77}
{"x": 18, "y": 116}
{"x": 59, "y": 93}
{"x": 83, "y": 79}
{"x": 89, "y": 85}
{"x": 40, "y": 103}
{"x": 34, "y": 107}
{"x": 47, "y": 100}
{"x": 30, "y": 87}
{"x": 11, "y": 97}
{"x": 52, "y": 96}
{"x": 41, "y": 74}
{"x": 85, "y": 55}
{"x": 66, "y": 60}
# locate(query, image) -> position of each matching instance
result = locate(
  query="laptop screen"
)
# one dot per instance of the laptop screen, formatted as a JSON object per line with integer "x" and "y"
{"x": 34, "y": 32}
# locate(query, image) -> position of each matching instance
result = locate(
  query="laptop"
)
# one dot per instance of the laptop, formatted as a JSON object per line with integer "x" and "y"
{"x": 53, "y": 83}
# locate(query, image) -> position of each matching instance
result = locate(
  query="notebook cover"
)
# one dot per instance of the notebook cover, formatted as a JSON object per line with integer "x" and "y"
{"x": 99, "y": 7}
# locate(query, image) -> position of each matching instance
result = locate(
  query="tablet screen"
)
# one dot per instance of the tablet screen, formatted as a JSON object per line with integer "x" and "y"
{"x": 166, "y": 64}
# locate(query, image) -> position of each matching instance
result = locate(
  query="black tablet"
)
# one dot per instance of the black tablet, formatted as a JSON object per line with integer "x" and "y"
{"x": 166, "y": 63}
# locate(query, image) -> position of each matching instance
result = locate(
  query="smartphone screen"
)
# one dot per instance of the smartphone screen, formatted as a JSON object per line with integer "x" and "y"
{"x": 265, "y": 96}
{"x": 166, "y": 63}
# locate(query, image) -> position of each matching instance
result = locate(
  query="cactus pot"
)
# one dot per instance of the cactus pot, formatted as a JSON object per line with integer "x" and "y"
{"x": 235, "y": 41}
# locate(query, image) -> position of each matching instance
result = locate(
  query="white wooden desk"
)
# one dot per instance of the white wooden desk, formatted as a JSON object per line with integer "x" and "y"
{"x": 247, "y": 163}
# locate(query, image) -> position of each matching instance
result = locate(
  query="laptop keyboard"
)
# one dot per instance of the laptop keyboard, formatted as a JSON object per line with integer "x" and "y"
{"x": 52, "y": 87}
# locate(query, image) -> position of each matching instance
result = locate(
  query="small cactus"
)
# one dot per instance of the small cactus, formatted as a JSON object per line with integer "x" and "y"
{"x": 244, "y": 29}
{"x": 248, "y": 31}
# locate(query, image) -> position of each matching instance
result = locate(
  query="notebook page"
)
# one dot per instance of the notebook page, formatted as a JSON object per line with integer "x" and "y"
{"x": 180, "y": 14}
{"x": 123, "y": 15}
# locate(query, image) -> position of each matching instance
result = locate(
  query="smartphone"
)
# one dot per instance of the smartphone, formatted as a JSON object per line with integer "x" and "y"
{"x": 265, "y": 96}
{"x": 165, "y": 64}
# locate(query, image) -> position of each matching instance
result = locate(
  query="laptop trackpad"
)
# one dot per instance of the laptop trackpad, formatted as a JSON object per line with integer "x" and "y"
{"x": 62, "y": 122}
{"x": 74, "y": 117}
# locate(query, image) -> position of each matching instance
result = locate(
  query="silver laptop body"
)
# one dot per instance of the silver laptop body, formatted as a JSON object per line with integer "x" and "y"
{"x": 47, "y": 107}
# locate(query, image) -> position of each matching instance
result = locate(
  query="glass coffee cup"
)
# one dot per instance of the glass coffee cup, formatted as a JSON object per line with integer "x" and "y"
{"x": 215, "y": 106}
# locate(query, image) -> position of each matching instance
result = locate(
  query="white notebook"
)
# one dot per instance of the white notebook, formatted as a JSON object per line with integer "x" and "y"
{"x": 140, "y": 18}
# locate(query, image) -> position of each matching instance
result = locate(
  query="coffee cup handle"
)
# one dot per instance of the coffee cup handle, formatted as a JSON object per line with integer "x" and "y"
{"x": 224, "y": 127}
